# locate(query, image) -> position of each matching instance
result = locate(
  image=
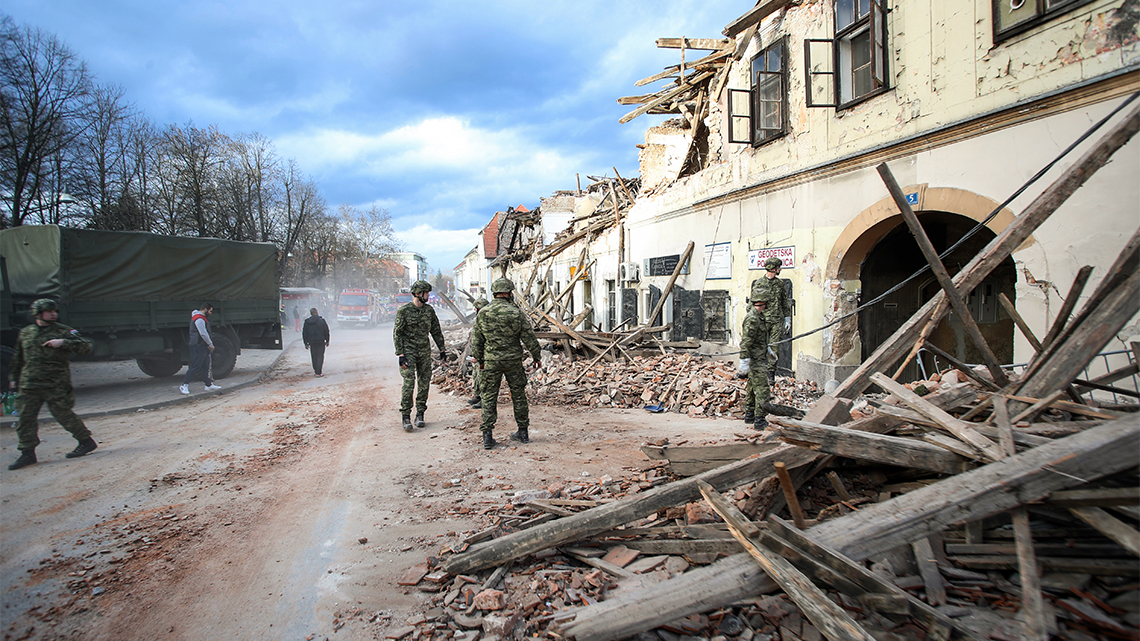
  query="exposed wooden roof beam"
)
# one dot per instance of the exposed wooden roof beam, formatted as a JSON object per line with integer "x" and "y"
{"x": 762, "y": 10}
{"x": 711, "y": 44}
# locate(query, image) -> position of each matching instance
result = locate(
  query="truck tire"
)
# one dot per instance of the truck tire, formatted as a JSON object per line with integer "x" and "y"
{"x": 159, "y": 367}
{"x": 224, "y": 356}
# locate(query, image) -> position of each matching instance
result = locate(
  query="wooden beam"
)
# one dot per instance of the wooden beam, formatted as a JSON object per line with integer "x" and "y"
{"x": 605, "y": 517}
{"x": 828, "y": 618}
{"x": 1068, "y": 305}
{"x": 943, "y": 276}
{"x": 1026, "y": 477}
{"x": 672, "y": 279}
{"x": 960, "y": 429}
{"x": 928, "y": 568}
{"x": 686, "y": 85}
{"x": 762, "y": 10}
{"x": 707, "y": 44}
{"x": 1110, "y": 526}
{"x": 1101, "y": 497}
{"x": 892, "y": 450}
{"x": 1036, "y": 618}
{"x": 996, "y": 251}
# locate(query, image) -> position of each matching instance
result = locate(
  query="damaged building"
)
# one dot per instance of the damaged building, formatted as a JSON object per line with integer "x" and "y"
{"x": 775, "y": 148}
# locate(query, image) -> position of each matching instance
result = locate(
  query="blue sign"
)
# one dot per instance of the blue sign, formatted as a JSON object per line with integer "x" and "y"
{"x": 912, "y": 198}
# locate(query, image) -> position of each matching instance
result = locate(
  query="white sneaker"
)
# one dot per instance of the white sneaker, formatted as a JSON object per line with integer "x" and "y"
{"x": 184, "y": 388}
{"x": 213, "y": 387}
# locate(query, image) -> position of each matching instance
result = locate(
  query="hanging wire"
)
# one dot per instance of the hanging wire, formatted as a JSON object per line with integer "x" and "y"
{"x": 1036, "y": 177}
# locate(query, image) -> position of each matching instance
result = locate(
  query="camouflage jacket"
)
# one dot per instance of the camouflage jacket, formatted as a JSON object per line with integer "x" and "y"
{"x": 501, "y": 332}
{"x": 778, "y": 309}
{"x": 36, "y": 366}
{"x": 413, "y": 326}
{"x": 754, "y": 337}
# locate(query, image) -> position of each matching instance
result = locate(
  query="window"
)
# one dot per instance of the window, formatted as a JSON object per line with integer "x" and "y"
{"x": 1012, "y": 17}
{"x": 758, "y": 115}
{"x": 853, "y": 65}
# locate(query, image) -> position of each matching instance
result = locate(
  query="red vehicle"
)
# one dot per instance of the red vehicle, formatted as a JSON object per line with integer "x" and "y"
{"x": 359, "y": 306}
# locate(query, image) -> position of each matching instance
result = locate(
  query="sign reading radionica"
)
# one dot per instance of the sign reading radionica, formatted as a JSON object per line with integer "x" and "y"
{"x": 787, "y": 255}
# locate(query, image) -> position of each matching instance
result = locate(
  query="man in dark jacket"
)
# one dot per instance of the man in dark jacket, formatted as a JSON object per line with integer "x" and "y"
{"x": 41, "y": 369}
{"x": 315, "y": 333}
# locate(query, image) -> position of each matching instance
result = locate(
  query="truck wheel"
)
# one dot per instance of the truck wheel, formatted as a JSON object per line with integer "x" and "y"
{"x": 224, "y": 356}
{"x": 159, "y": 367}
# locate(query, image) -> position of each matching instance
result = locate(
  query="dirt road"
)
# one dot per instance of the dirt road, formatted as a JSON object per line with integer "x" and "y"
{"x": 285, "y": 510}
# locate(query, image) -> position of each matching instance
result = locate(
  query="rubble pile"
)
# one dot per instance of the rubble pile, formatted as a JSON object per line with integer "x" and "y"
{"x": 676, "y": 382}
{"x": 1089, "y": 582}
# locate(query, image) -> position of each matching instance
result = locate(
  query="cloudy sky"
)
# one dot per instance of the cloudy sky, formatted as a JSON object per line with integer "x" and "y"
{"x": 441, "y": 111}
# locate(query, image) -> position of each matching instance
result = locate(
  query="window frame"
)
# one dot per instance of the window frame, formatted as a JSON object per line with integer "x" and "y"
{"x": 842, "y": 72}
{"x": 1044, "y": 13}
{"x": 748, "y": 119}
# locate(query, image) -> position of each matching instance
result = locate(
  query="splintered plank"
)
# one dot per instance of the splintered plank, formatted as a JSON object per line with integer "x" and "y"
{"x": 690, "y": 461}
{"x": 828, "y": 617}
{"x": 893, "y": 450}
{"x": 958, "y": 428}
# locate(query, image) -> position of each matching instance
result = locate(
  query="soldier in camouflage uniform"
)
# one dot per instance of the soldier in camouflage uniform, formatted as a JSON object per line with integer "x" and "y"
{"x": 754, "y": 345}
{"x": 778, "y": 315}
{"x": 501, "y": 332}
{"x": 476, "y": 400}
{"x": 42, "y": 370}
{"x": 415, "y": 322}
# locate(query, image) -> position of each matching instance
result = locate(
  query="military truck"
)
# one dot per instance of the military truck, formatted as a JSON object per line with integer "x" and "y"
{"x": 132, "y": 293}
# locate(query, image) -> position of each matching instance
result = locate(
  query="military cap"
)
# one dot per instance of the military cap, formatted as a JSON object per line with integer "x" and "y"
{"x": 421, "y": 286}
{"x": 502, "y": 285}
{"x": 772, "y": 263}
{"x": 481, "y": 302}
{"x": 44, "y": 305}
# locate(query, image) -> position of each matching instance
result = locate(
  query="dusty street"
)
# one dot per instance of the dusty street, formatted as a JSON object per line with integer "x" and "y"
{"x": 284, "y": 510}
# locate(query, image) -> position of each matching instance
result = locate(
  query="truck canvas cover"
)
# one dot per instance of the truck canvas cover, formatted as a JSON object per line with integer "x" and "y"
{"x": 73, "y": 265}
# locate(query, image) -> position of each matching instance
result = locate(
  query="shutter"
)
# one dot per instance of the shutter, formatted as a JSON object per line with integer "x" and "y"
{"x": 820, "y": 85}
{"x": 739, "y": 116}
{"x": 878, "y": 33}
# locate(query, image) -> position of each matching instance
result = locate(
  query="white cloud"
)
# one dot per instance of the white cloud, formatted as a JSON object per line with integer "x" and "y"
{"x": 442, "y": 248}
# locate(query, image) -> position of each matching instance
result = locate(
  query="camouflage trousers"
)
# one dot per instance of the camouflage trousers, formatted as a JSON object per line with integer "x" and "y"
{"x": 775, "y": 333}
{"x": 417, "y": 378}
{"x": 757, "y": 392}
{"x": 493, "y": 374}
{"x": 59, "y": 400}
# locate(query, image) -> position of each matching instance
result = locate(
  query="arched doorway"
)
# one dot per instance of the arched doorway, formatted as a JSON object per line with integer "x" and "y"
{"x": 875, "y": 252}
{"x": 896, "y": 256}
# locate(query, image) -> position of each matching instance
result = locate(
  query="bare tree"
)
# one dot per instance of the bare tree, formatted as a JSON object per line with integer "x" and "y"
{"x": 44, "y": 92}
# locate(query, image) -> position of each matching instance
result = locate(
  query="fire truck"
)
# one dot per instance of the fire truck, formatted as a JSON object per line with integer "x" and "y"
{"x": 358, "y": 306}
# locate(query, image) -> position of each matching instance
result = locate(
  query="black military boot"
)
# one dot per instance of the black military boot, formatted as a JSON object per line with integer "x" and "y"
{"x": 27, "y": 457}
{"x": 488, "y": 440}
{"x": 85, "y": 447}
{"x": 419, "y": 419}
{"x": 407, "y": 420}
{"x": 474, "y": 400}
{"x": 760, "y": 423}
{"x": 749, "y": 417}
{"x": 522, "y": 436}
{"x": 477, "y": 405}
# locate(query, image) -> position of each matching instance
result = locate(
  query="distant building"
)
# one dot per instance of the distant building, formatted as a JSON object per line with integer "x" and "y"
{"x": 417, "y": 267}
